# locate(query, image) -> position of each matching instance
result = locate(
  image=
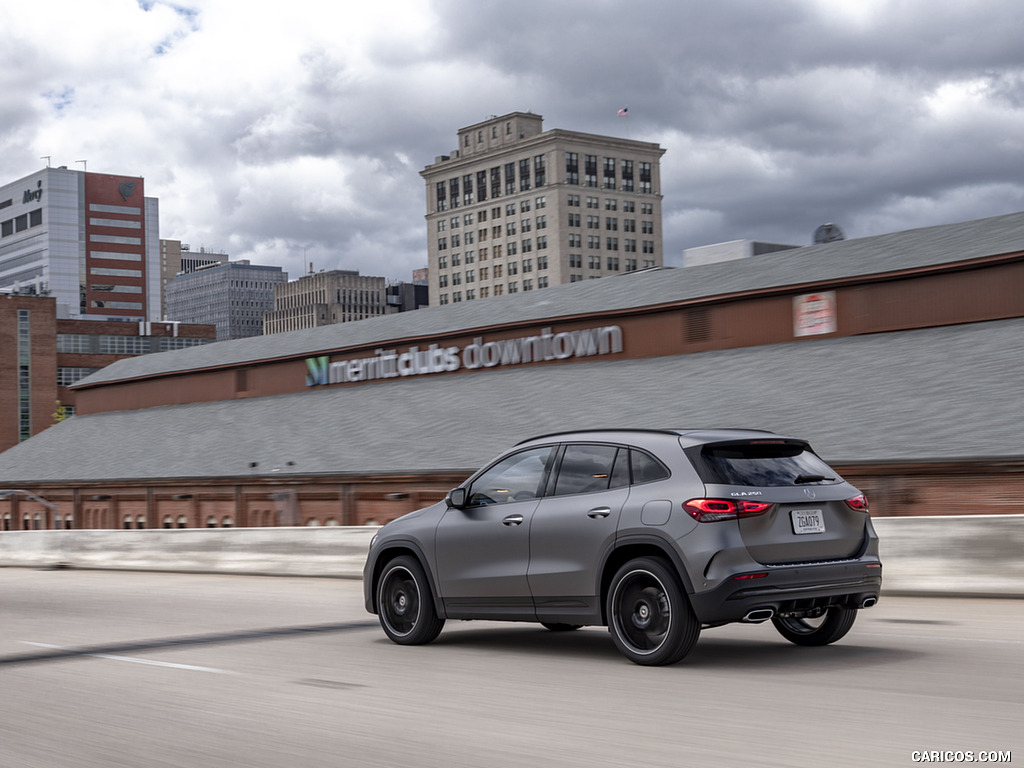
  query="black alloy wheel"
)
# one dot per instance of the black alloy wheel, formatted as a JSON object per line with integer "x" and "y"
{"x": 649, "y": 616}
{"x": 828, "y": 628}
{"x": 405, "y": 605}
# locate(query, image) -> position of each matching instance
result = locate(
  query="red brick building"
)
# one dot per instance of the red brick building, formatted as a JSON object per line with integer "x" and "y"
{"x": 41, "y": 356}
{"x": 897, "y": 356}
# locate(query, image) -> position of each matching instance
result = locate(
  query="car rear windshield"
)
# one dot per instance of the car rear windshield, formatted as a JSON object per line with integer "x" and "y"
{"x": 761, "y": 463}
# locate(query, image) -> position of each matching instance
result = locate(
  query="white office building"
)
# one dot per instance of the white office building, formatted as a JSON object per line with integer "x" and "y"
{"x": 91, "y": 240}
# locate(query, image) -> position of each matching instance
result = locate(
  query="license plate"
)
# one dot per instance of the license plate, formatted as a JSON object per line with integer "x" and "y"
{"x": 807, "y": 521}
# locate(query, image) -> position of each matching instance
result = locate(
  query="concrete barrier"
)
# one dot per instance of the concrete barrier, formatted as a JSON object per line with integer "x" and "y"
{"x": 968, "y": 555}
{"x": 338, "y": 552}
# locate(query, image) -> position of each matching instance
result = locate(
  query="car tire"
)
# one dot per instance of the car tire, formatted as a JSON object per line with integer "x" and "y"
{"x": 560, "y": 627}
{"x": 836, "y": 623}
{"x": 650, "y": 618}
{"x": 405, "y": 603}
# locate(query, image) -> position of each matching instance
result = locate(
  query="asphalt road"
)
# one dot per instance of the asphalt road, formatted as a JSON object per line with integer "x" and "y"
{"x": 101, "y": 669}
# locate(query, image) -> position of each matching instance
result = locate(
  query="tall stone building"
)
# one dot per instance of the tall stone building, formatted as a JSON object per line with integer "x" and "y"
{"x": 516, "y": 208}
{"x": 325, "y": 298}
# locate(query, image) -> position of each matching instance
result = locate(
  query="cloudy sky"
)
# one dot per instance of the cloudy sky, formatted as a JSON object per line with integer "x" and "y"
{"x": 289, "y": 132}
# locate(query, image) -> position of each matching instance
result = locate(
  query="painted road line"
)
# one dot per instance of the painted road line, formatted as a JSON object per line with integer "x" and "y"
{"x": 133, "y": 660}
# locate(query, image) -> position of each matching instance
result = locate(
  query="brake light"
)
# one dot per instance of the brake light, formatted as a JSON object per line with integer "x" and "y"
{"x": 713, "y": 510}
{"x": 860, "y": 503}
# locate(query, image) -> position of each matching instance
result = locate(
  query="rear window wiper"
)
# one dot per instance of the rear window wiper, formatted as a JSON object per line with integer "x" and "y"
{"x": 810, "y": 479}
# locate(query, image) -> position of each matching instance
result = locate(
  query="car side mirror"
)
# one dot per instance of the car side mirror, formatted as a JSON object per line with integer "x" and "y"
{"x": 456, "y": 498}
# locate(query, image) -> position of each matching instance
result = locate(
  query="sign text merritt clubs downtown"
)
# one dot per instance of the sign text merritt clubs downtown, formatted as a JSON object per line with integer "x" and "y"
{"x": 390, "y": 364}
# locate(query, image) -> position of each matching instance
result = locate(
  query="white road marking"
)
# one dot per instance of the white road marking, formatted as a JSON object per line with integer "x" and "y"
{"x": 132, "y": 660}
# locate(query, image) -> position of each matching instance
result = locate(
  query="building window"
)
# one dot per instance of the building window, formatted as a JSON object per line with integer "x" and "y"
{"x": 527, "y": 285}
{"x": 539, "y": 171}
{"x": 542, "y": 262}
{"x": 510, "y": 178}
{"x": 590, "y": 170}
{"x": 513, "y": 287}
{"x": 542, "y": 282}
{"x": 611, "y": 223}
{"x": 542, "y": 242}
{"x": 611, "y": 204}
{"x": 575, "y": 261}
{"x": 542, "y": 222}
{"x": 24, "y": 374}
{"x": 574, "y": 219}
{"x": 542, "y": 202}
{"x": 594, "y": 242}
{"x": 613, "y": 263}
{"x": 612, "y": 244}
{"x": 594, "y": 262}
{"x": 575, "y": 241}
{"x": 513, "y": 267}
{"x": 645, "y": 178}
{"x": 573, "y": 201}
{"x": 524, "y": 174}
{"x": 609, "y": 173}
{"x": 648, "y": 246}
{"x": 593, "y": 202}
{"x": 572, "y": 170}
{"x": 593, "y": 222}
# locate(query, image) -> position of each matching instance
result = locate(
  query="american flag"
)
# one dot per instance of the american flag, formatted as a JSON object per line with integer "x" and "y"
{"x": 623, "y": 111}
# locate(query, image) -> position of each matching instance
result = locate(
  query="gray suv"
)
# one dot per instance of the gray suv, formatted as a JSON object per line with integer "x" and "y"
{"x": 655, "y": 534}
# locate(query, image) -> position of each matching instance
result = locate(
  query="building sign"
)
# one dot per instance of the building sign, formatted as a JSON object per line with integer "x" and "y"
{"x": 33, "y": 194}
{"x": 390, "y": 364}
{"x": 814, "y": 314}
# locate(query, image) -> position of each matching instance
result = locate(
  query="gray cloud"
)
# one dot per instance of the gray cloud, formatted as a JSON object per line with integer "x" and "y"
{"x": 293, "y": 134}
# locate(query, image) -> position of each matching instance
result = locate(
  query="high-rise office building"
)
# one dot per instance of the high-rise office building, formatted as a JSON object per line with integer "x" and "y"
{"x": 325, "y": 298}
{"x": 233, "y": 296}
{"x": 516, "y": 208}
{"x": 177, "y": 257}
{"x": 90, "y": 240}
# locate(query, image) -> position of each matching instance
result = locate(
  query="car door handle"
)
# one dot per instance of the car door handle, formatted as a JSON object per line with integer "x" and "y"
{"x": 599, "y": 512}
{"x": 512, "y": 520}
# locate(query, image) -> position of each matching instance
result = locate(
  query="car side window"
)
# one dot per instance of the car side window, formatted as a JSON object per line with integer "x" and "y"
{"x": 646, "y": 468}
{"x": 515, "y": 478}
{"x": 585, "y": 469}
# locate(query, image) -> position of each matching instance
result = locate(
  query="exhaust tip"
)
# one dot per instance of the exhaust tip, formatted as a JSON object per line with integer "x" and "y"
{"x": 868, "y": 602}
{"x": 759, "y": 615}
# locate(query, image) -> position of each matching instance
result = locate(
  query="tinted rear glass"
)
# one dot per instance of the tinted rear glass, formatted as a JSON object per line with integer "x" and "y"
{"x": 762, "y": 464}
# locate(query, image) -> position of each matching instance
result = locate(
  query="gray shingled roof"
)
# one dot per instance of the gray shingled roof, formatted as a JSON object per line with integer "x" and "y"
{"x": 865, "y": 256}
{"x": 938, "y": 393}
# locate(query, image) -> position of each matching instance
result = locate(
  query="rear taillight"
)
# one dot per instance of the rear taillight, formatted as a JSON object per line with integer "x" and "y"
{"x": 713, "y": 510}
{"x": 860, "y": 503}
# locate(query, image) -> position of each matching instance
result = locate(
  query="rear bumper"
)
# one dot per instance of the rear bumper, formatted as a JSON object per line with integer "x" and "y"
{"x": 790, "y": 588}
